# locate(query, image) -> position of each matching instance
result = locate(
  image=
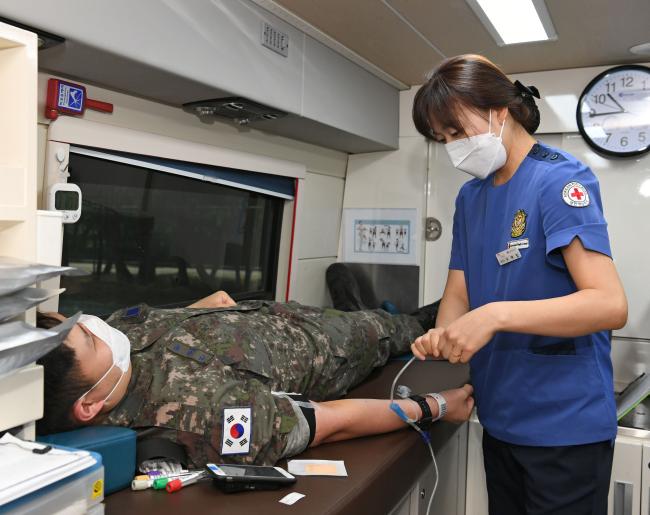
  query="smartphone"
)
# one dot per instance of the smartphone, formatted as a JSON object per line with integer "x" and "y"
{"x": 234, "y": 478}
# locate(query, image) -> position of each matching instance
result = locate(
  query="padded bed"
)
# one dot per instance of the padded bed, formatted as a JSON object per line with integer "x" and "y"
{"x": 381, "y": 469}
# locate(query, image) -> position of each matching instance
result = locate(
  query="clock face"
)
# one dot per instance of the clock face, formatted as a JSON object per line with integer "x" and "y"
{"x": 614, "y": 111}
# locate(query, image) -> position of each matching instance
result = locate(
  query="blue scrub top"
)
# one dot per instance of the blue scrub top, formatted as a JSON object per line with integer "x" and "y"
{"x": 529, "y": 389}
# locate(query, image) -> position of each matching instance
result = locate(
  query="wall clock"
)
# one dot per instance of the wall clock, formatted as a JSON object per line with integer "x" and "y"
{"x": 613, "y": 112}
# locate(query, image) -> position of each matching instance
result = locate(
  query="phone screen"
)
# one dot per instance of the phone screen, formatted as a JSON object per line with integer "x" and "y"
{"x": 250, "y": 471}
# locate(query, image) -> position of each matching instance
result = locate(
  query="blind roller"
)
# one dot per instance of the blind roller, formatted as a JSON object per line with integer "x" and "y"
{"x": 267, "y": 184}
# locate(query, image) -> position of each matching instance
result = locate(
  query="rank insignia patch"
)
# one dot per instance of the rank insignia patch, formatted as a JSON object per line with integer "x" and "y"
{"x": 518, "y": 224}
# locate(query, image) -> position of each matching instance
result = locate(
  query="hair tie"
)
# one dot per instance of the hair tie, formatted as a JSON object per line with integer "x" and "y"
{"x": 527, "y": 90}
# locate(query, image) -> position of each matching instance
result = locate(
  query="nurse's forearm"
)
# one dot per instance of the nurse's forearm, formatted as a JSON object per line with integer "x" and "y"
{"x": 583, "y": 312}
{"x": 454, "y": 303}
{"x": 450, "y": 309}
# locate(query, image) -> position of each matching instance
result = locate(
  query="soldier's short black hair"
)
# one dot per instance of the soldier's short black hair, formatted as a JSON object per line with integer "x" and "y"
{"x": 63, "y": 383}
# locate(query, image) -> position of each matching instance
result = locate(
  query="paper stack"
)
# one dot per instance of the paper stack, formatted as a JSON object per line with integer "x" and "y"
{"x": 23, "y": 471}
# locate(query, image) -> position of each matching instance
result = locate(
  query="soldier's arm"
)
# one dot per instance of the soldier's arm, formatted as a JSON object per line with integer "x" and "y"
{"x": 351, "y": 418}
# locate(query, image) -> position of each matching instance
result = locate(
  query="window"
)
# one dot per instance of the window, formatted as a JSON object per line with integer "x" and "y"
{"x": 165, "y": 238}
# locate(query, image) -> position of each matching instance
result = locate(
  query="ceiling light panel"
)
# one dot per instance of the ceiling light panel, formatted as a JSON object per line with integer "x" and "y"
{"x": 512, "y": 22}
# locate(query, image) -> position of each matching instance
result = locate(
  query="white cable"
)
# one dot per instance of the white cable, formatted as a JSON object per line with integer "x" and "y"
{"x": 411, "y": 422}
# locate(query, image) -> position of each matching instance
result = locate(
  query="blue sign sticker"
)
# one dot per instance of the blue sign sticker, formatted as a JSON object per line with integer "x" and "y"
{"x": 70, "y": 97}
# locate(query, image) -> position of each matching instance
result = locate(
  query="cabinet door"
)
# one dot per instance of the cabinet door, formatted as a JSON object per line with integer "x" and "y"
{"x": 18, "y": 76}
{"x": 645, "y": 480}
{"x": 448, "y": 498}
{"x": 476, "y": 498}
{"x": 625, "y": 485}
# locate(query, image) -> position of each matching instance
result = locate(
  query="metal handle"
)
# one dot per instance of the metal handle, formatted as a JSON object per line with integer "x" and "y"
{"x": 623, "y": 498}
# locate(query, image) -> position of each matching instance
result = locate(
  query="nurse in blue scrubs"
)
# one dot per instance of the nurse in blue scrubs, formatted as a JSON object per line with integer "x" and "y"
{"x": 531, "y": 296}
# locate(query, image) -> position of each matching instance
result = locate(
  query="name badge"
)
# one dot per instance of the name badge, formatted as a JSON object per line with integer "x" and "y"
{"x": 519, "y": 244}
{"x": 506, "y": 256}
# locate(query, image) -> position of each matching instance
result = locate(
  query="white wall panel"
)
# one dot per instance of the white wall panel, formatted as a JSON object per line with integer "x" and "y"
{"x": 309, "y": 285}
{"x": 406, "y": 126}
{"x": 388, "y": 179}
{"x": 320, "y": 216}
{"x": 444, "y": 182}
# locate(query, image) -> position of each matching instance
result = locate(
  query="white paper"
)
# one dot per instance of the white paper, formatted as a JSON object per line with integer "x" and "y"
{"x": 291, "y": 498}
{"x": 389, "y": 236}
{"x": 317, "y": 468}
{"x": 22, "y": 471}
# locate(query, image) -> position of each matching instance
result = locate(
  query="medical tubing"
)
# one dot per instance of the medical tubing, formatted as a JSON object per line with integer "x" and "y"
{"x": 411, "y": 422}
{"x": 399, "y": 374}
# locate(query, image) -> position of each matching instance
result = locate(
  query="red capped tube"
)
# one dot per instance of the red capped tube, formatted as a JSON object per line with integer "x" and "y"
{"x": 174, "y": 486}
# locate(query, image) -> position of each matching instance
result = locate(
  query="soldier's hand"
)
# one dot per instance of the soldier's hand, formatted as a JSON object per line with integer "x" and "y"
{"x": 218, "y": 299}
{"x": 427, "y": 344}
{"x": 223, "y": 300}
{"x": 459, "y": 403}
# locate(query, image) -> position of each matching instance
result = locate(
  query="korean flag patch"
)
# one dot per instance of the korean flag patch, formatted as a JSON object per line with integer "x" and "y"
{"x": 236, "y": 431}
{"x": 575, "y": 195}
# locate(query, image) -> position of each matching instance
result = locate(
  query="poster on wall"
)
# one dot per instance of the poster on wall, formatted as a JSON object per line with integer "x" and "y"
{"x": 387, "y": 236}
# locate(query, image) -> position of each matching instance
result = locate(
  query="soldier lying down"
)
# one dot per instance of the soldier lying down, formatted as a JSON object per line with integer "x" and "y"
{"x": 210, "y": 376}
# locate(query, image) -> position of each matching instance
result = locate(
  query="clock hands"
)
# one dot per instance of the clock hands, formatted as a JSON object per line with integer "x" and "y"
{"x": 616, "y": 102}
{"x": 621, "y": 109}
{"x": 592, "y": 114}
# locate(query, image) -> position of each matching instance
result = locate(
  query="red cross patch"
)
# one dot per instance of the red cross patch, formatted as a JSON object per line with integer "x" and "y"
{"x": 575, "y": 194}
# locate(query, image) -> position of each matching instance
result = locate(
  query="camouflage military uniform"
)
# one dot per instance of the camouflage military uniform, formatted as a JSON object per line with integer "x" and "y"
{"x": 189, "y": 364}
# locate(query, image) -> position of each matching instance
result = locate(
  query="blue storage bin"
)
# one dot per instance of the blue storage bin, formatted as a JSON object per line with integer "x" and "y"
{"x": 115, "y": 444}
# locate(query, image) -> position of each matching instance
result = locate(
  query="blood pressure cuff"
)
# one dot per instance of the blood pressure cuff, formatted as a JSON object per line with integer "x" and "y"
{"x": 302, "y": 434}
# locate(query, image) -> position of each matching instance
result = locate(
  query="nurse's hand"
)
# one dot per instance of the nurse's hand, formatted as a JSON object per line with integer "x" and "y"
{"x": 468, "y": 334}
{"x": 427, "y": 344}
{"x": 460, "y": 404}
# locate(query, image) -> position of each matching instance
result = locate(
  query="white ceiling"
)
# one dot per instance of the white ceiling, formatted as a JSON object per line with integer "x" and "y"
{"x": 590, "y": 33}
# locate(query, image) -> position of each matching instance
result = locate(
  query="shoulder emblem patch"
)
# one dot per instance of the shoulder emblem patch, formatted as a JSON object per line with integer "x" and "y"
{"x": 236, "y": 431}
{"x": 518, "y": 224}
{"x": 575, "y": 195}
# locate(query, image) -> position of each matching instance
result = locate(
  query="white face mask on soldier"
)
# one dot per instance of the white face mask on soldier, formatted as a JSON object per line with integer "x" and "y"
{"x": 479, "y": 155}
{"x": 116, "y": 340}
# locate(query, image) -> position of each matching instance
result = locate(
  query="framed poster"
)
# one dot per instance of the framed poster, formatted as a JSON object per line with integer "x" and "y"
{"x": 388, "y": 236}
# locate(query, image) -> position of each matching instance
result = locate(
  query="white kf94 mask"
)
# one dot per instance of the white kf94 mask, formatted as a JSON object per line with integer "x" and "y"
{"x": 116, "y": 340}
{"x": 479, "y": 155}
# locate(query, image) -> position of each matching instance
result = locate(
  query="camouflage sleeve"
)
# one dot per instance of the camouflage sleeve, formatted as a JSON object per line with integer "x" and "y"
{"x": 221, "y": 435}
{"x": 357, "y": 343}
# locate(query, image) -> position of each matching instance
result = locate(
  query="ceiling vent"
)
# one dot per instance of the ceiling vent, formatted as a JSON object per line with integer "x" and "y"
{"x": 238, "y": 109}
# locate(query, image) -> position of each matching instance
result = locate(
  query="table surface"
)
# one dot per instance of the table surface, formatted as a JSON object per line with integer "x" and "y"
{"x": 380, "y": 468}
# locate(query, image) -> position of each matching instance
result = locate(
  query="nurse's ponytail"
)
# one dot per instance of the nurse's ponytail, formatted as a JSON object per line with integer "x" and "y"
{"x": 474, "y": 82}
{"x": 529, "y": 118}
